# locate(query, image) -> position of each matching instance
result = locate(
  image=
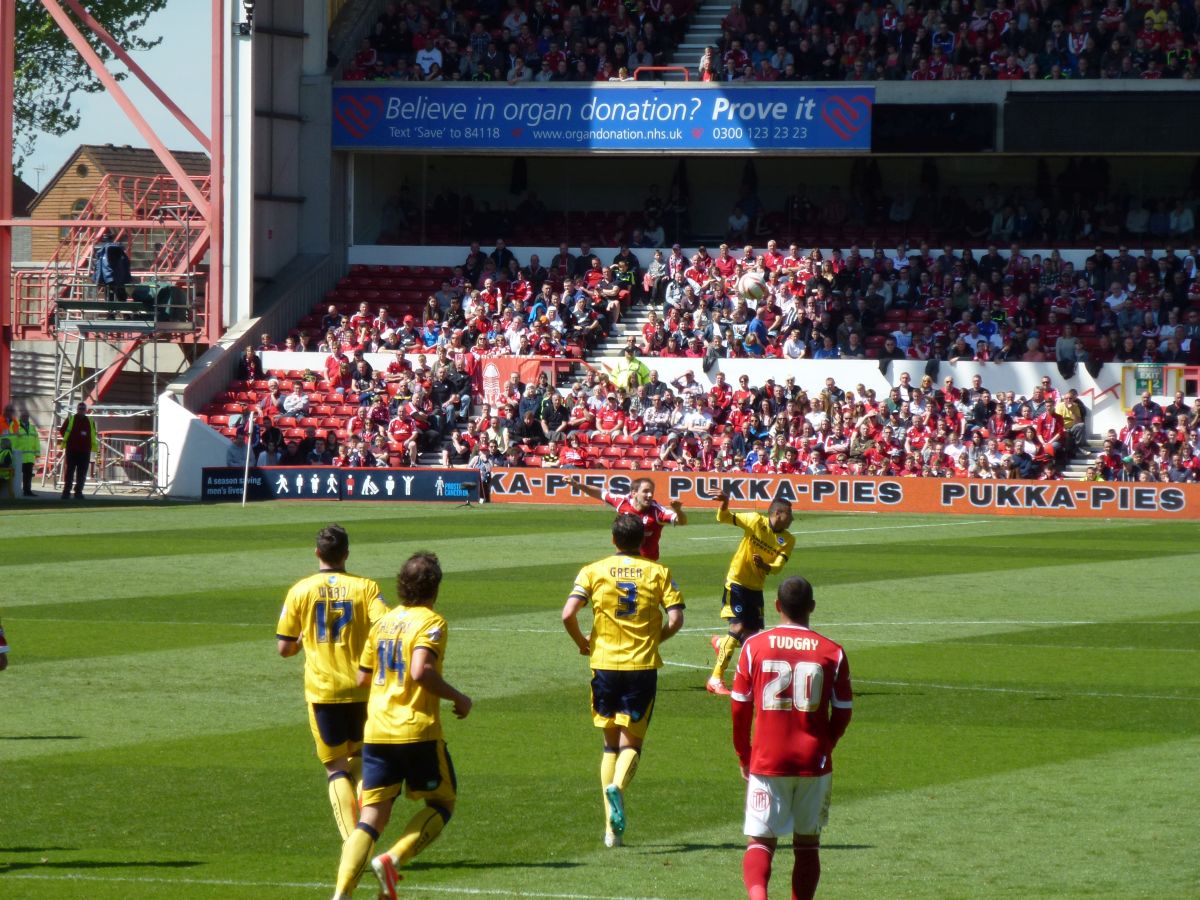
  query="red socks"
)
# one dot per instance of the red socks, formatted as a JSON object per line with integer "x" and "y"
{"x": 756, "y": 870}
{"x": 806, "y": 872}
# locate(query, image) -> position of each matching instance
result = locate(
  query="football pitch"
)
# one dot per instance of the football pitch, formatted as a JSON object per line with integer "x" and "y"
{"x": 1026, "y": 720}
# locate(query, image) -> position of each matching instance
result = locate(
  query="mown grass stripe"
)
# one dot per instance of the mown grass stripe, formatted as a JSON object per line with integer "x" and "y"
{"x": 409, "y": 889}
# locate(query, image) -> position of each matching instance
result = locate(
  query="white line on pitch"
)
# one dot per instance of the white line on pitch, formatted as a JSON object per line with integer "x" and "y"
{"x": 1045, "y": 692}
{"x": 715, "y": 629}
{"x": 1033, "y": 623}
{"x": 317, "y": 885}
{"x": 870, "y": 528}
{"x": 1020, "y": 646}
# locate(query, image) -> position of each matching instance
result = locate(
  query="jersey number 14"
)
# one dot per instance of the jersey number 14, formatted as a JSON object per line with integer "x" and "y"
{"x": 792, "y": 686}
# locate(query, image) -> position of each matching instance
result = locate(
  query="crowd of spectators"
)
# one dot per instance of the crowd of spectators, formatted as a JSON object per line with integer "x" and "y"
{"x": 923, "y": 40}
{"x": 629, "y": 418}
{"x": 517, "y": 42}
{"x": 913, "y": 302}
{"x": 783, "y": 40}
{"x": 393, "y": 414}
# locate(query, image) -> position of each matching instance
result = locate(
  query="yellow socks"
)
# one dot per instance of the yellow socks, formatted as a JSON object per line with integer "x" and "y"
{"x": 725, "y": 651}
{"x": 355, "y": 852}
{"x": 419, "y": 833}
{"x": 343, "y": 797}
{"x": 608, "y": 770}
{"x": 627, "y": 762}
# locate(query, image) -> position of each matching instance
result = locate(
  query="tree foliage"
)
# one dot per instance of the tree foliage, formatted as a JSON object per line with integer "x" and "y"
{"x": 49, "y": 72}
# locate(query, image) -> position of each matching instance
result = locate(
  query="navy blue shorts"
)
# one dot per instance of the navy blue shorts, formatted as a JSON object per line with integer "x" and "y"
{"x": 624, "y": 697}
{"x": 744, "y": 606}
{"x": 338, "y": 723}
{"x": 423, "y": 767}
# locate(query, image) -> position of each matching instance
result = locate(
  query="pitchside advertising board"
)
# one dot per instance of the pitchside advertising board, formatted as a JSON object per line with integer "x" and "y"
{"x": 838, "y": 494}
{"x": 811, "y": 493}
{"x": 327, "y": 483}
{"x": 583, "y": 118}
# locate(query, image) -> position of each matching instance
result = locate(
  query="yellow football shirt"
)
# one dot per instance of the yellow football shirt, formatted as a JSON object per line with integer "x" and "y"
{"x": 628, "y": 595}
{"x": 331, "y": 614}
{"x": 400, "y": 711}
{"x": 757, "y": 537}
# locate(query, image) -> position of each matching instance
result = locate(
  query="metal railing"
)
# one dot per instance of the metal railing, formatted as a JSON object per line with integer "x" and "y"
{"x": 167, "y": 253}
{"x": 687, "y": 76}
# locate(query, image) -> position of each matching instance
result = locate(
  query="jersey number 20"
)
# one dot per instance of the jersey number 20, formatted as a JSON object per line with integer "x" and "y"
{"x": 792, "y": 687}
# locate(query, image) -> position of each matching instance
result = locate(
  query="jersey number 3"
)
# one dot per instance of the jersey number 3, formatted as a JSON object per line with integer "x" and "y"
{"x": 627, "y": 601}
{"x": 792, "y": 687}
{"x": 330, "y": 629}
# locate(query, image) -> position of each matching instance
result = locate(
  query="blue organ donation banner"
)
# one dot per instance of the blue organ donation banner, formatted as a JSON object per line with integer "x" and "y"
{"x": 599, "y": 117}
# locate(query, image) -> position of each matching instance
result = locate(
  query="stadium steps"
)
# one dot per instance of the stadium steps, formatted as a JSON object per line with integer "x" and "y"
{"x": 631, "y": 323}
{"x": 705, "y": 31}
{"x": 1076, "y": 466}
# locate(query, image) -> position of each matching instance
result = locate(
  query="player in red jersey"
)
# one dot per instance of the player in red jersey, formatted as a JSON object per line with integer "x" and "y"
{"x": 640, "y": 502}
{"x": 793, "y": 687}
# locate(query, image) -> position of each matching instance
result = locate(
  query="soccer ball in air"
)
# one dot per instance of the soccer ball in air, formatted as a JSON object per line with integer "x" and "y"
{"x": 752, "y": 286}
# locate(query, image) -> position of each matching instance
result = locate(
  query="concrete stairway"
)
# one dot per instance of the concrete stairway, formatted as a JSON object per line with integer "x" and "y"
{"x": 704, "y": 32}
{"x": 631, "y": 323}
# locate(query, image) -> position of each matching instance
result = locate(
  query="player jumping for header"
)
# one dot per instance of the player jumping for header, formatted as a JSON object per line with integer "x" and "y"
{"x": 765, "y": 548}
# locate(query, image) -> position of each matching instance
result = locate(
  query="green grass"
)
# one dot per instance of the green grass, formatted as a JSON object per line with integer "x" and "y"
{"x": 1026, "y": 721}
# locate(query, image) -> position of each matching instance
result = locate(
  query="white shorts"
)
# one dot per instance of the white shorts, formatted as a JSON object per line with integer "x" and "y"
{"x": 779, "y": 805}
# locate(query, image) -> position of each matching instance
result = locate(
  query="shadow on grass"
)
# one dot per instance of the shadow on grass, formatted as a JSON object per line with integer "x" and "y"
{"x": 38, "y": 849}
{"x": 485, "y": 865}
{"x": 687, "y": 847}
{"x": 41, "y": 737}
{"x": 86, "y": 864}
{"x": 661, "y": 849}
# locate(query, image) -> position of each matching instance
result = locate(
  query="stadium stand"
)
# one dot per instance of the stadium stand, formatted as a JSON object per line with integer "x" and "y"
{"x": 917, "y": 303}
{"x": 781, "y": 40}
{"x": 541, "y": 41}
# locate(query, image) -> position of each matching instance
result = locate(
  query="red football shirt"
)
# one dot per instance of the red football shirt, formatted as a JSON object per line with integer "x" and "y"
{"x": 793, "y": 686}
{"x": 652, "y": 520}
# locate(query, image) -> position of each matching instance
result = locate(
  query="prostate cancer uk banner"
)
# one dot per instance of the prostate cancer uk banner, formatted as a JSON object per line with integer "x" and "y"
{"x": 600, "y": 117}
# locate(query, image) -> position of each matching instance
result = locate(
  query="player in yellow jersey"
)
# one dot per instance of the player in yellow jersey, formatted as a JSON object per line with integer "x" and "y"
{"x": 628, "y": 594}
{"x": 765, "y": 547}
{"x": 404, "y": 749}
{"x": 329, "y": 614}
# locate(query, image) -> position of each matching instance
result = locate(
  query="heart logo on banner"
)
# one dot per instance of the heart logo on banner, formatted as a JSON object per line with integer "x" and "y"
{"x": 517, "y": 132}
{"x": 358, "y": 115}
{"x": 697, "y": 133}
{"x": 846, "y": 118}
